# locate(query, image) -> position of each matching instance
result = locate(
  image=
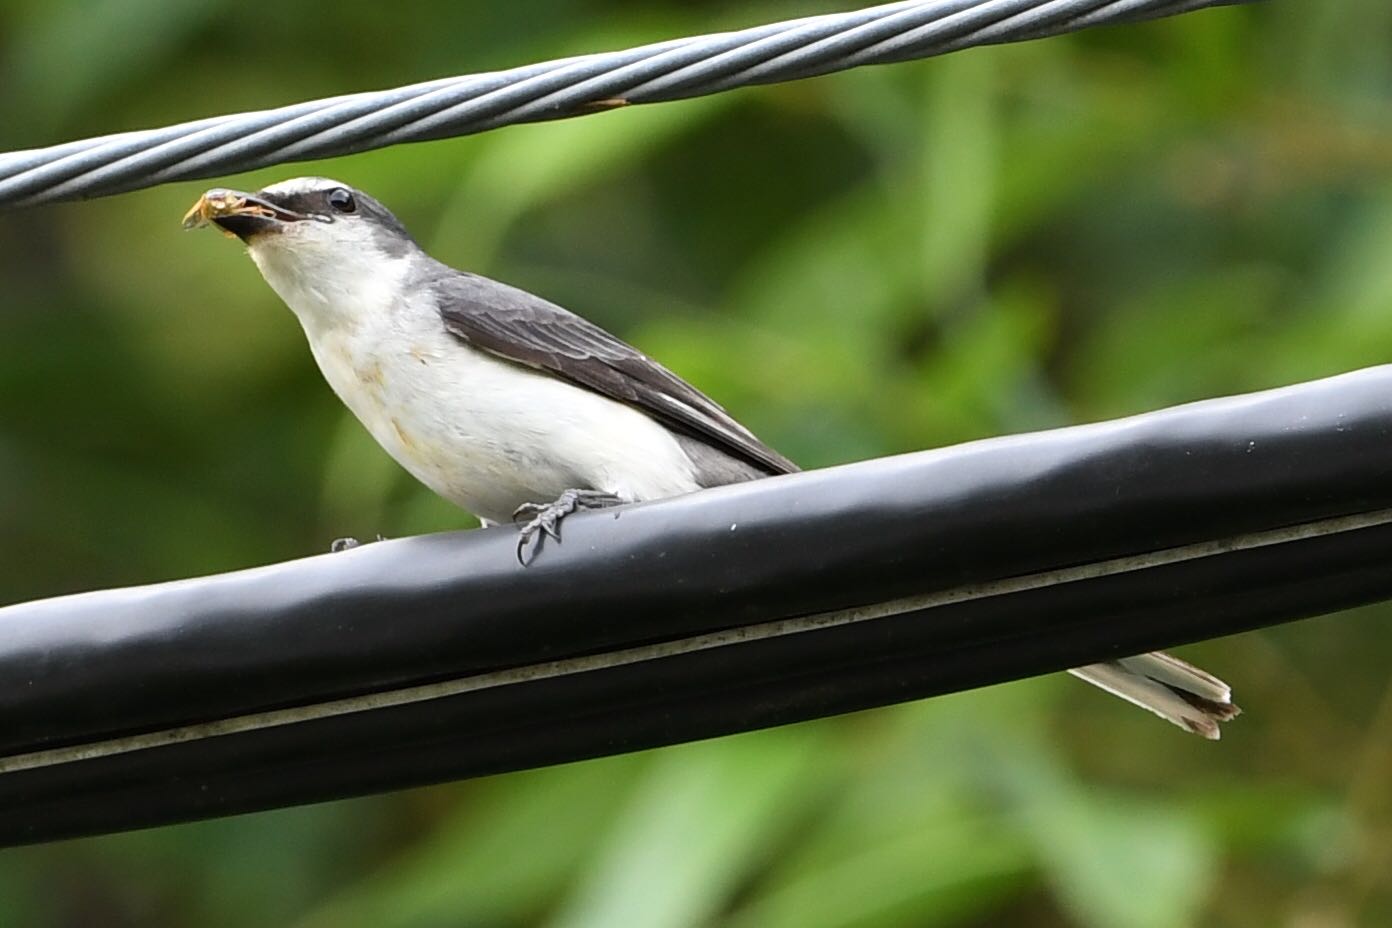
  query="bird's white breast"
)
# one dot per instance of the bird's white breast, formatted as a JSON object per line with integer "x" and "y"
{"x": 484, "y": 433}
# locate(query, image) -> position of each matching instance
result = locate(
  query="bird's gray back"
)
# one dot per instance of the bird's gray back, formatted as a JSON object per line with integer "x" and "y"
{"x": 715, "y": 468}
{"x": 526, "y": 329}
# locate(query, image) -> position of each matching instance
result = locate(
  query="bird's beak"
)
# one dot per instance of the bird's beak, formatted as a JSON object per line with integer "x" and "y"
{"x": 244, "y": 215}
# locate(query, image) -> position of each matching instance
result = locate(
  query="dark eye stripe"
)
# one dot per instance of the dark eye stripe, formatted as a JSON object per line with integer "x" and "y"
{"x": 393, "y": 235}
{"x": 312, "y": 202}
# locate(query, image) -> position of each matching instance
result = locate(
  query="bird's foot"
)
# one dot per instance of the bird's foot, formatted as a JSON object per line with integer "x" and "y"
{"x": 347, "y": 544}
{"x": 545, "y": 518}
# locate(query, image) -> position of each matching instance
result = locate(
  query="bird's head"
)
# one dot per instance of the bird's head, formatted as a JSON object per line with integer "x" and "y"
{"x": 320, "y": 244}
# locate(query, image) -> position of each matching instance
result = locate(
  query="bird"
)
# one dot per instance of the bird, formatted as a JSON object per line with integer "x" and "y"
{"x": 518, "y": 410}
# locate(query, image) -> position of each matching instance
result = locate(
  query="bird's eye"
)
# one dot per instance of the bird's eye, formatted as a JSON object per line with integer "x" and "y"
{"x": 342, "y": 200}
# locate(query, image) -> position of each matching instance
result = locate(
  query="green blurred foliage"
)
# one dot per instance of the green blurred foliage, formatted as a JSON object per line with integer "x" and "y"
{"x": 896, "y": 258}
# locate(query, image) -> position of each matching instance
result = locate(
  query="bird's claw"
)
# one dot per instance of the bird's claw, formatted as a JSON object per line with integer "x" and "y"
{"x": 348, "y": 544}
{"x": 545, "y": 518}
{"x": 546, "y": 523}
{"x": 529, "y": 511}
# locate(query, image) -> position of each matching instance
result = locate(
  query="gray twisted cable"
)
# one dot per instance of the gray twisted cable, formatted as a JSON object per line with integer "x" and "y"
{"x": 550, "y": 90}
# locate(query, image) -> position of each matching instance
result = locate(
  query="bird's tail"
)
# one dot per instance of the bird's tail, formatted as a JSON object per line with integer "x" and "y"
{"x": 1175, "y": 691}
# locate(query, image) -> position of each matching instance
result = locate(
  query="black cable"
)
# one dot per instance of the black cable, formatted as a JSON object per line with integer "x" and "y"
{"x": 425, "y": 659}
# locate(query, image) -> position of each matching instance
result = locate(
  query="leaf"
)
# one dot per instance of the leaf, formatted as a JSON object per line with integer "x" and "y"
{"x": 1114, "y": 861}
{"x": 502, "y": 857}
{"x": 706, "y": 816}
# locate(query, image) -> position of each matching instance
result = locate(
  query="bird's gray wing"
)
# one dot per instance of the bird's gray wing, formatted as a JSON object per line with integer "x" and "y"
{"x": 528, "y": 330}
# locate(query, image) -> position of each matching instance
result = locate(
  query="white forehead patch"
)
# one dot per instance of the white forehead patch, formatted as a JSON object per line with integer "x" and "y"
{"x": 302, "y": 185}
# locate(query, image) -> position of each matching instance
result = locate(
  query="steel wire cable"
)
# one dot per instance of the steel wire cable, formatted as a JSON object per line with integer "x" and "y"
{"x": 456, "y": 106}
